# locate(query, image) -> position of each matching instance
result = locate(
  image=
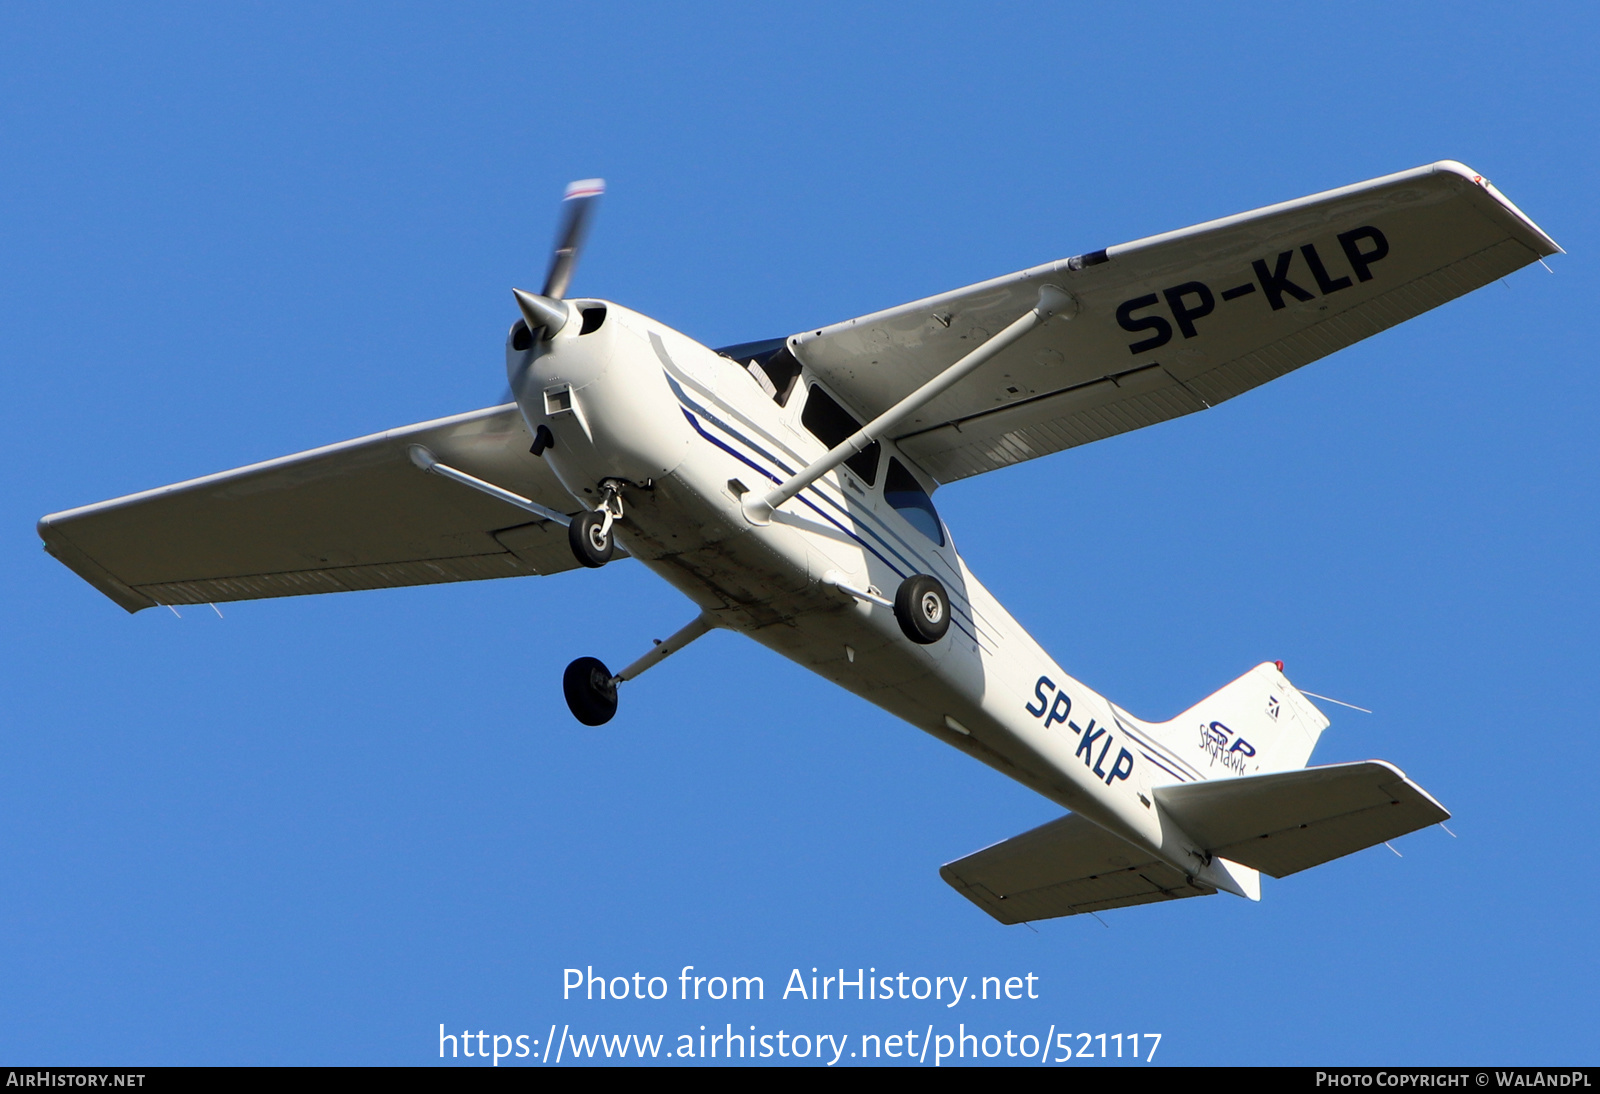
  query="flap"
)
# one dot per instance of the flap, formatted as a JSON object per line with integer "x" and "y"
{"x": 1291, "y": 820}
{"x": 1066, "y": 867}
{"x": 1175, "y": 323}
{"x": 355, "y": 515}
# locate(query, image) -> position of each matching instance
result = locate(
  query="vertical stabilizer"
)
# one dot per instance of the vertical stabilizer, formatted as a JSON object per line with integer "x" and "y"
{"x": 1258, "y": 724}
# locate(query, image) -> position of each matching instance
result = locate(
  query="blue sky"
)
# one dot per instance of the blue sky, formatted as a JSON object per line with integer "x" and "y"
{"x": 312, "y": 831}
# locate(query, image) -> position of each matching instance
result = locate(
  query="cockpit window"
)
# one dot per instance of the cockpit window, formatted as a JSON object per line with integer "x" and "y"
{"x": 831, "y": 423}
{"x": 903, "y": 492}
{"x": 770, "y": 364}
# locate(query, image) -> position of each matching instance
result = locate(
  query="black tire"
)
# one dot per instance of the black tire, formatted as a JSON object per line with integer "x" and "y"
{"x": 922, "y": 608}
{"x": 590, "y": 546}
{"x": 591, "y": 696}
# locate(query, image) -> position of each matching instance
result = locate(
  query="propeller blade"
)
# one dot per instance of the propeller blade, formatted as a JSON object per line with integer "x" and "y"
{"x": 582, "y": 197}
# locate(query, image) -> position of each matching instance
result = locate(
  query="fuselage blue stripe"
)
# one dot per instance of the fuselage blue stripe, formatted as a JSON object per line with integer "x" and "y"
{"x": 917, "y": 562}
{"x": 959, "y": 607}
{"x": 1164, "y": 750}
{"x": 813, "y": 507}
{"x": 1164, "y": 767}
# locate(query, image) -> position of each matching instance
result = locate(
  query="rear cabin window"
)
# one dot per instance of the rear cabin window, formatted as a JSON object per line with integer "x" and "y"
{"x": 903, "y": 492}
{"x": 831, "y": 423}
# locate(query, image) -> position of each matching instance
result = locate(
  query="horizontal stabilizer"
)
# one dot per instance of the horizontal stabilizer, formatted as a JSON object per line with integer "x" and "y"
{"x": 1289, "y": 821}
{"x": 1066, "y": 867}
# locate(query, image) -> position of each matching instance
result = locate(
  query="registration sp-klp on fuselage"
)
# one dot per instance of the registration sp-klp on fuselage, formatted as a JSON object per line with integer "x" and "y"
{"x": 785, "y": 487}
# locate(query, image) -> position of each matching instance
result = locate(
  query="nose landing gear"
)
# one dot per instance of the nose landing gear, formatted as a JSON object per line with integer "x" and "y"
{"x": 589, "y": 534}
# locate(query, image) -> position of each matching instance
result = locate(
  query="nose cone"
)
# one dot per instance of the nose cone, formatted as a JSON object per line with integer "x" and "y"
{"x": 541, "y": 312}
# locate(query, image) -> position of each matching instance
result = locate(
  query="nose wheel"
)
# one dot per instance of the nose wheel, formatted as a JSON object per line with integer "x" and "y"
{"x": 589, "y": 534}
{"x": 922, "y": 608}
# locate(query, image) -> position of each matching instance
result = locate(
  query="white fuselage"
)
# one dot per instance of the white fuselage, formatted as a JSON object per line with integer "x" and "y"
{"x": 690, "y": 432}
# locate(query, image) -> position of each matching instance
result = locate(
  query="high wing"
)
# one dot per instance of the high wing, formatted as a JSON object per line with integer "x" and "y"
{"x": 1177, "y": 322}
{"x": 355, "y": 515}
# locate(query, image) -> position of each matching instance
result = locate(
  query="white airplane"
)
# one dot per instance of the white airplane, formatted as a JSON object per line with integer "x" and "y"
{"x": 746, "y": 477}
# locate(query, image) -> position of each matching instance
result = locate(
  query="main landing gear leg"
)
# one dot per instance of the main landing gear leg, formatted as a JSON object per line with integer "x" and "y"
{"x": 591, "y": 689}
{"x": 921, "y": 605}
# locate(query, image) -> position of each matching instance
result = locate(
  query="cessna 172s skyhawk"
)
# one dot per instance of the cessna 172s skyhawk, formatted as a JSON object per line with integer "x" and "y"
{"x": 785, "y": 487}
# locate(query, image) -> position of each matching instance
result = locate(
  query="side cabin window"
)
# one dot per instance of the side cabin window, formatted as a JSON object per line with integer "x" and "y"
{"x": 903, "y": 492}
{"x": 770, "y": 365}
{"x": 831, "y": 423}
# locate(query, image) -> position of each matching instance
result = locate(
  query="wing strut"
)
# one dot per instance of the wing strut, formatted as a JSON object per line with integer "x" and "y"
{"x": 1052, "y": 301}
{"x": 423, "y": 458}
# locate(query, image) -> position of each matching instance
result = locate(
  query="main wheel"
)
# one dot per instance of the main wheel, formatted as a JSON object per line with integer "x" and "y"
{"x": 590, "y": 539}
{"x": 922, "y": 608}
{"x": 591, "y": 695}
